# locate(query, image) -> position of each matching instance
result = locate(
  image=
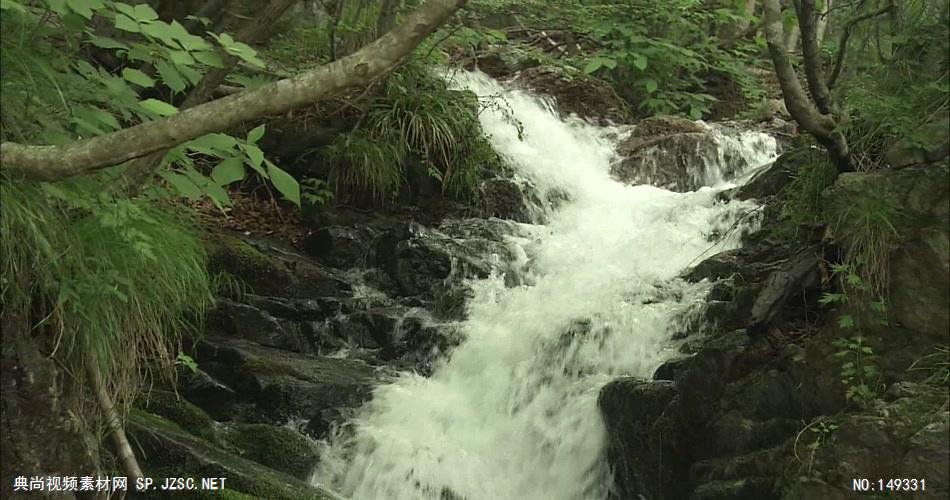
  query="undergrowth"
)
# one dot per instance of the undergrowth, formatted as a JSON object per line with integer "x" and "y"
{"x": 111, "y": 282}
{"x": 415, "y": 119}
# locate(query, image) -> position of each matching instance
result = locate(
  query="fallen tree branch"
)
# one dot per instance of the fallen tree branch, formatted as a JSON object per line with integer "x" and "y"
{"x": 50, "y": 163}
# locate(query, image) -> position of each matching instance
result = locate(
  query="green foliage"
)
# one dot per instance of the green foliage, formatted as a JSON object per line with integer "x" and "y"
{"x": 859, "y": 372}
{"x": 801, "y": 198}
{"x": 416, "y": 118}
{"x": 363, "y": 164}
{"x": 113, "y": 281}
{"x": 936, "y": 366}
{"x": 53, "y": 94}
{"x": 656, "y": 54}
{"x": 866, "y": 224}
{"x": 817, "y": 432}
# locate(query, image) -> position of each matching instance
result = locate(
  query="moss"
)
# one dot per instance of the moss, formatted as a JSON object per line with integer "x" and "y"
{"x": 276, "y": 447}
{"x": 234, "y": 256}
{"x": 180, "y": 411}
{"x": 169, "y": 451}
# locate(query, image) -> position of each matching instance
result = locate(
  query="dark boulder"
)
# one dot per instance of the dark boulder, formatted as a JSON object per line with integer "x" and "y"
{"x": 645, "y": 447}
{"x": 680, "y": 155}
{"x": 505, "y": 199}
{"x": 576, "y": 93}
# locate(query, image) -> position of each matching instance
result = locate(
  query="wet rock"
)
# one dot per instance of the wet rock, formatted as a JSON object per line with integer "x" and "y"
{"x": 719, "y": 266}
{"x": 215, "y": 398}
{"x": 918, "y": 200}
{"x": 276, "y": 386}
{"x": 645, "y": 448}
{"x": 279, "y": 448}
{"x": 173, "y": 452}
{"x": 770, "y": 180}
{"x": 178, "y": 410}
{"x": 503, "y": 198}
{"x": 679, "y": 155}
{"x": 736, "y": 489}
{"x": 248, "y": 322}
{"x": 340, "y": 246}
{"x": 576, "y": 93}
{"x": 271, "y": 269}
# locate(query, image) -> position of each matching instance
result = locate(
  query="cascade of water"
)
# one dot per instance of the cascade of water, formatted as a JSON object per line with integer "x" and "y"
{"x": 512, "y": 414}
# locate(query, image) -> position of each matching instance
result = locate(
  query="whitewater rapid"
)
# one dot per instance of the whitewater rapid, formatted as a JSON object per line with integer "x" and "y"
{"x": 512, "y": 414}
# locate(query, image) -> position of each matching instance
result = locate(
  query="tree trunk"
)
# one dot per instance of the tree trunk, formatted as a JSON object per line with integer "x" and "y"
{"x": 50, "y": 163}
{"x": 822, "y": 126}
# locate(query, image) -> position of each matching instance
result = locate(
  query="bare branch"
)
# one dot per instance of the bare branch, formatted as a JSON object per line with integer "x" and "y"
{"x": 846, "y": 34}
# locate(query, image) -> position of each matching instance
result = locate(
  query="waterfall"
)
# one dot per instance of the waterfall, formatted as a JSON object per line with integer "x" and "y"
{"x": 512, "y": 413}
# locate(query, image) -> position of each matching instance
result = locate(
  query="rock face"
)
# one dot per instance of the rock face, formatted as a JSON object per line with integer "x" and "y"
{"x": 576, "y": 93}
{"x": 680, "y": 155}
{"x": 287, "y": 358}
{"x": 758, "y": 411}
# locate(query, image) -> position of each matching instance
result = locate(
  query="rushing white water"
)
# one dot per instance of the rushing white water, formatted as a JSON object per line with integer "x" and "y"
{"x": 513, "y": 413}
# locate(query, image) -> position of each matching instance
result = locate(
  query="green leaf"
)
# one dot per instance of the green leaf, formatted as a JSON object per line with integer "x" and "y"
{"x": 208, "y": 58}
{"x": 640, "y": 62}
{"x": 187, "y": 361}
{"x": 170, "y": 76}
{"x": 182, "y": 184}
{"x": 10, "y": 4}
{"x": 144, "y": 13}
{"x": 593, "y": 65}
{"x": 107, "y": 43}
{"x": 228, "y": 171}
{"x": 159, "y": 108}
{"x": 213, "y": 144}
{"x": 650, "y": 85}
{"x": 181, "y": 58}
{"x": 137, "y": 77}
{"x": 255, "y": 135}
{"x": 125, "y": 23}
{"x": 609, "y": 63}
{"x": 160, "y": 31}
{"x": 255, "y": 154}
{"x": 85, "y": 8}
{"x": 285, "y": 183}
{"x": 218, "y": 195}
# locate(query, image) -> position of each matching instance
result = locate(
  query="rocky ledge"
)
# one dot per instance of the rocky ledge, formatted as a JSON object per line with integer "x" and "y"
{"x": 756, "y": 407}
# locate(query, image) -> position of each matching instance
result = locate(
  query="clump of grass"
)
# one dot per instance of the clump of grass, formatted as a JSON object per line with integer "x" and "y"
{"x": 361, "y": 164}
{"x": 801, "y": 198}
{"x": 106, "y": 281}
{"x": 416, "y": 117}
{"x": 866, "y": 224}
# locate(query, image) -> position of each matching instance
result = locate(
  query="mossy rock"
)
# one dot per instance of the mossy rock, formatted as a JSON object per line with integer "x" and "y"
{"x": 178, "y": 410}
{"x": 280, "y": 448}
{"x": 168, "y": 451}
{"x": 232, "y": 255}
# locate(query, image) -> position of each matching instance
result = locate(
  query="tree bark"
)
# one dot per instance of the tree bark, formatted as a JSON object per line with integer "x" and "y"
{"x": 50, "y": 163}
{"x": 821, "y": 126}
{"x": 811, "y": 53}
{"x": 124, "y": 453}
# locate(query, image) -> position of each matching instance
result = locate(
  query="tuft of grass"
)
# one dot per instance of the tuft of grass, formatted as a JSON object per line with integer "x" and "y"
{"x": 361, "y": 164}
{"x": 416, "y": 117}
{"x": 802, "y": 202}
{"x": 867, "y": 225}
{"x": 111, "y": 282}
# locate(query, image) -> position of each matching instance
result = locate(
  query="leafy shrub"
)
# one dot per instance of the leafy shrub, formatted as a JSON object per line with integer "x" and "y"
{"x": 113, "y": 282}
